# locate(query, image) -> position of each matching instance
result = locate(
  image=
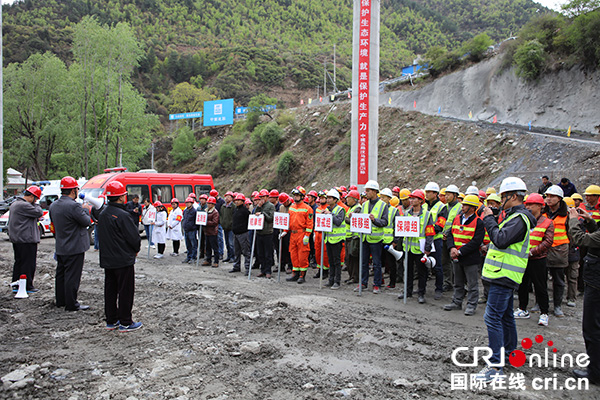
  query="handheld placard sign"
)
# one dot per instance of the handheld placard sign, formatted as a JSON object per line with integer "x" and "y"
{"x": 323, "y": 222}
{"x": 406, "y": 227}
{"x": 281, "y": 221}
{"x": 201, "y": 218}
{"x": 360, "y": 223}
{"x": 256, "y": 222}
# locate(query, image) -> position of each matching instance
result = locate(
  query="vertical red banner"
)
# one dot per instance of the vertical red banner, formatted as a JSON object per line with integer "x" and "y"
{"x": 363, "y": 91}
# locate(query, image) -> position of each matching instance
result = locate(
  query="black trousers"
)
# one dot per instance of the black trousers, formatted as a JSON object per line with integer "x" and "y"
{"x": 25, "y": 258}
{"x": 264, "y": 253}
{"x": 212, "y": 249}
{"x": 414, "y": 262}
{"x": 119, "y": 288}
{"x": 68, "y": 277}
{"x": 591, "y": 317}
{"x": 334, "y": 252}
{"x": 535, "y": 273}
{"x": 558, "y": 285}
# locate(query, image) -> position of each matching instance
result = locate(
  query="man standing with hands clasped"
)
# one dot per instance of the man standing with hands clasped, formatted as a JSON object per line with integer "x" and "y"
{"x": 120, "y": 244}
{"x": 70, "y": 220}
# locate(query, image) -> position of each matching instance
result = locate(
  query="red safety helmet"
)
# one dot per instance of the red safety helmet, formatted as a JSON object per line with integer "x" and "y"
{"x": 157, "y": 204}
{"x": 344, "y": 194}
{"x": 189, "y": 200}
{"x": 482, "y": 195}
{"x": 192, "y": 195}
{"x": 211, "y": 200}
{"x": 354, "y": 194}
{"x": 256, "y": 197}
{"x": 255, "y": 193}
{"x": 203, "y": 196}
{"x": 283, "y": 197}
{"x": 115, "y": 189}
{"x": 344, "y": 189}
{"x": 274, "y": 193}
{"x": 301, "y": 190}
{"x": 353, "y": 187}
{"x": 34, "y": 190}
{"x": 418, "y": 193}
{"x": 263, "y": 192}
{"x": 313, "y": 193}
{"x": 535, "y": 198}
{"x": 396, "y": 189}
{"x": 247, "y": 201}
{"x": 240, "y": 196}
{"x": 214, "y": 193}
{"x": 68, "y": 182}
{"x": 174, "y": 200}
{"x": 230, "y": 193}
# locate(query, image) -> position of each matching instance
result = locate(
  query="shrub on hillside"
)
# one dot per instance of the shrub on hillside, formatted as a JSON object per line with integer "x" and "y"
{"x": 227, "y": 156}
{"x": 183, "y": 146}
{"x": 477, "y": 46}
{"x": 286, "y": 164}
{"x": 530, "y": 59}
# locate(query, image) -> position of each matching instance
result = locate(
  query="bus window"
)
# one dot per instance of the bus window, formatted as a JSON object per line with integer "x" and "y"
{"x": 140, "y": 190}
{"x": 182, "y": 192}
{"x": 202, "y": 189}
{"x": 162, "y": 193}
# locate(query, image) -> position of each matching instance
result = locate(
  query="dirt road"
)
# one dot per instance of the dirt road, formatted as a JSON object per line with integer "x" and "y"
{"x": 209, "y": 334}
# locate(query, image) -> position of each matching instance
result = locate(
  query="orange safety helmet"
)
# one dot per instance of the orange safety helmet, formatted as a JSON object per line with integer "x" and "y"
{"x": 301, "y": 190}
{"x": 115, "y": 189}
{"x": 68, "y": 182}
{"x": 34, "y": 190}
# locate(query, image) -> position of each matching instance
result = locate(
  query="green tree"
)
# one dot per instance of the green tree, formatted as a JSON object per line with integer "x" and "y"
{"x": 183, "y": 146}
{"x": 577, "y": 7}
{"x": 529, "y": 59}
{"x": 189, "y": 98}
{"x": 477, "y": 46}
{"x": 256, "y": 108}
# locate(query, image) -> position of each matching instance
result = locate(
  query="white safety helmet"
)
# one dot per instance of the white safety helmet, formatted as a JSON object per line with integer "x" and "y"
{"x": 432, "y": 187}
{"x": 333, "y": 193}
{"x": 387, "y": 192}
{"x": 471, "y": 190}
{"x": 555, "y": 190}
{"x": 513, "y": 184}
{"x": 452, "y": 189}
{"x": 372, "y": 185}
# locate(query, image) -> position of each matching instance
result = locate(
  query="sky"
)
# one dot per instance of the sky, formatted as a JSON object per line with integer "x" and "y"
{"x": 554, "y": 4}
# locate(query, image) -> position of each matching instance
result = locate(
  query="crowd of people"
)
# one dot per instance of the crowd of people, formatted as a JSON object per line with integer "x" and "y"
{"x": 512, "y": 241}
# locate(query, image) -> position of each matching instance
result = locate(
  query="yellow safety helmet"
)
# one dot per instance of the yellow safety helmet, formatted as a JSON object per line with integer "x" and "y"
{"x": 443, "y": 191}
{"x": 494, "y": 197}
{"x": 404, "y": 193}
{"x": 570, "y": 202}
{"x": 577, "y": 196}
{"x": 461, "y": 196}
{"x": 471, "y": 200}
{"x": 490, "y": 190}
{"x": 394, "y": 201}
{"x": 593, "y": 190}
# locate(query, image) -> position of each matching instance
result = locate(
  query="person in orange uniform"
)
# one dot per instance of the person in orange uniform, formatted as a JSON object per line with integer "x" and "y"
{"x": 301, "y": 226}
{"x": 318, "y": 237}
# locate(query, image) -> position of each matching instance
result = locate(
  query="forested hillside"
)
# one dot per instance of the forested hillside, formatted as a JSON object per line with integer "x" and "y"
{"x": 237, "y": 46}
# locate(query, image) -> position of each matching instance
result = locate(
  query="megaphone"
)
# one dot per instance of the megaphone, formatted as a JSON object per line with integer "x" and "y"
{"x": 22, "y": 293}
{"x": 397, "y": 254}
{"x": 95, "y": 202}
{"x": 428, "y": 261}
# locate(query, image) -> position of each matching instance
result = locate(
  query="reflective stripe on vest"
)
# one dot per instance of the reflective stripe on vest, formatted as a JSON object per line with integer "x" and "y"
{"x": 560, "y": 231}
{"x": 355, "y": 209}
{"x": 338, "y": 233}
{"x": 435, "y": 210}
{"x": 388, "y": 231}
{"x": 594, "y": 212}
{"x": 510, "y": 262}
{"x": 376, "y": 234}
{"x": 452, "y": 213}
{"x": 537, "y": 234}
{"x": 463, "y": 234}
{"x": 412, "y": 244}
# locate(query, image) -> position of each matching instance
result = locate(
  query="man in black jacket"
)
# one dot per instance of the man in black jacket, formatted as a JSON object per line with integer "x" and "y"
{"x": 240, "y": 232}
{"x": 190, "y": 230}
{"x": 463, "y": 242}
{"x": 71, "y": 221}
{"x": 120, "y": 244}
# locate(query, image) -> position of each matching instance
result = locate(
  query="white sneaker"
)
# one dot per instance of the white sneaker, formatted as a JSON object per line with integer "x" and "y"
{"x": 543, "y": 320}
{"x": 571, "y": 303}
{"x": 146, "y": 246}
{"x": 159, "y": 256}
{"x": 521, "y": 314}
{"x": 174, "y": 254}
{"x": 152, "y": 247}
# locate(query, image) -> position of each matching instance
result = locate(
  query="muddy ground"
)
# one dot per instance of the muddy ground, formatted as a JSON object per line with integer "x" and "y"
{"x": 209, "y": 334}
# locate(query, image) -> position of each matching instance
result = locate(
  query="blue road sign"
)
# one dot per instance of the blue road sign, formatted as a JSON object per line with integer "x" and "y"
{"x": 197, "y": 114}
{"x": 218, "y": 112}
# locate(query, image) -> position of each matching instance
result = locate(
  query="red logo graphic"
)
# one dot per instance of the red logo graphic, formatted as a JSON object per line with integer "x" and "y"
{"x": 517, "y": 358}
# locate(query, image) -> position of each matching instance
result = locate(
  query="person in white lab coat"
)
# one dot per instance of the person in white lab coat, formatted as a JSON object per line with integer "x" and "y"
{"x": 174, "y": 231}
{"x": 159, "y": 231}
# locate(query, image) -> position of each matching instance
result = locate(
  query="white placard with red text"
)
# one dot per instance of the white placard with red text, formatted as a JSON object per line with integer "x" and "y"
{"x": 360, "y": 223}
{"x": 323, "y": 222}
{"x": 406, "y": 227}
{"x": 201, "y": 218}
{"x": 152, "y": 215}
{"x": 281, "y": 221}
{"x": 256, "y": 222}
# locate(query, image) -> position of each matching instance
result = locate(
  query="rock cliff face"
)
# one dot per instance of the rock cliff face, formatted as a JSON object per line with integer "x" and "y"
{"x": 558, "y": 100}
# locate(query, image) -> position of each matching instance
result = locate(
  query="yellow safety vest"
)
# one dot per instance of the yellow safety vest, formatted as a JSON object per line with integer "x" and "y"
{"x": 388, "y": 231}
{"x": 376, "y": 234}
{"x": 338, "y": 233}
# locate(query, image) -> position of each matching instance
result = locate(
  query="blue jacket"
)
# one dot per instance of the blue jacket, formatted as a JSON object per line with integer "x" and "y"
{"x": 189, "y": 220}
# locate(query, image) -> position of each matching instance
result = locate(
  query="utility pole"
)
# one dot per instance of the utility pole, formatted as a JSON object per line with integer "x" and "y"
{"x": 1, "y": 112}
{"x": 152, "y": 159}
{"x": 120, "y": 156}
{"x": 324, "y": 79}
{"x": 334, "y": 78}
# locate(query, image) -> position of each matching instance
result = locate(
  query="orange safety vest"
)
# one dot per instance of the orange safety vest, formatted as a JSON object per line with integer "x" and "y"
{"x": 594, "y": 212}
{"x": 400, "y": 212}
{"x": 486, "y": 237}
{"x": 537, "y": 234}
{"x": 301, "y": 218}
{"x": 560, "y": 230}
{"x": 463, "y": 234}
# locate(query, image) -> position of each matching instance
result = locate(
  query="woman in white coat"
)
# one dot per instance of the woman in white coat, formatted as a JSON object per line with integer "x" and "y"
{"x": 159, "y": 232}
{"x": 174, "y": 232}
